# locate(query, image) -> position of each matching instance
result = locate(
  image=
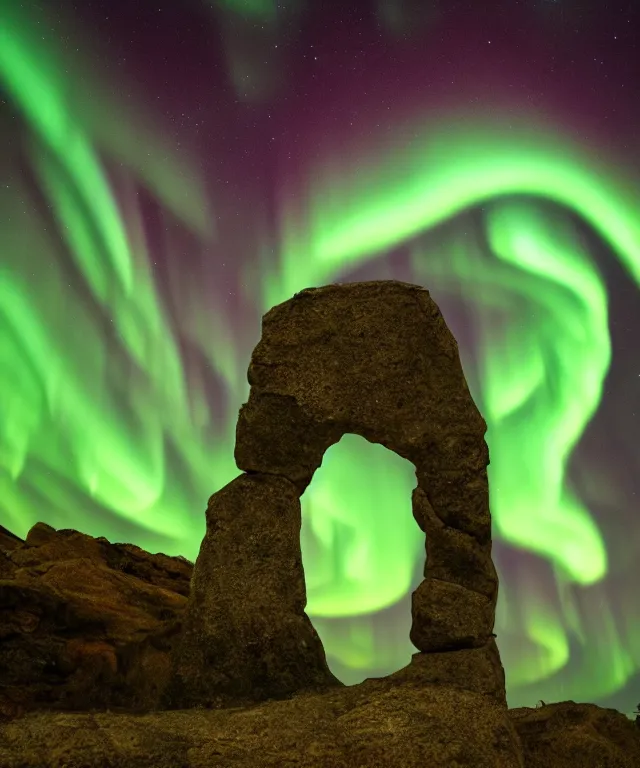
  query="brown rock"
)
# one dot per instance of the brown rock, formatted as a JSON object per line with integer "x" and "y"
{"x": 374, "y": 359}
{"x": 377, "y": 723}
{"x": 374, "y": 724}
{"x": 86, "y": 625}
{"x": 453, "y": 555}
{"x": 570, "y": 735}
{"x": 80, "y": 618}
{"x": 247, "y": 637}
{"x": 448, "y": 617}
{"x": 8, "y": 540}
{"x": 474, "y": 669}
{"x": 371, "y": 358}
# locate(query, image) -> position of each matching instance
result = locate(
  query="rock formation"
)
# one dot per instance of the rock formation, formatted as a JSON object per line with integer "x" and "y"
{"x": 374, "y": 359}
{"x": 86, "y": 625}
{"x": 379, "y": 722}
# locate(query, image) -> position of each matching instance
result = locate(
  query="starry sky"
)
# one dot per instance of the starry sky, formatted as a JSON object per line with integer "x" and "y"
{"x": 171, "y": 170}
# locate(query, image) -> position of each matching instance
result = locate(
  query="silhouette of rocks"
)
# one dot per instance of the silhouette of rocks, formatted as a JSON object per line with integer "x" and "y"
{"x": 90, "y": 626}
{"x": 374, "y": 359}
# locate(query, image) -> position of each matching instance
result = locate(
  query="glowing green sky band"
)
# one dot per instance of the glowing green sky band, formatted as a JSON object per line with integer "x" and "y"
{"x": 360, "y": 542}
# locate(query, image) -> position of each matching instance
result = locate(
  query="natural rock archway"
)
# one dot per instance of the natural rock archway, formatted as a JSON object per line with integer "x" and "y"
{"x": 374, "y": 359}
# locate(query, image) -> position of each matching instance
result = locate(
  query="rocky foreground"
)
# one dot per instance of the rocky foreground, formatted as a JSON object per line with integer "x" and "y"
{"x": 86, "y": 626}
{"x": 111, "y": 657}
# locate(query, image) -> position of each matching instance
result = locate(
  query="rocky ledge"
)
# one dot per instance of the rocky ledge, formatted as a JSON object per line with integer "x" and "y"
{"x": 86, "y": 630}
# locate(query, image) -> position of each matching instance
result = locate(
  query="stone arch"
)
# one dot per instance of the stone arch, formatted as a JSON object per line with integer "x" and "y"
{"x": 374, "y": 359}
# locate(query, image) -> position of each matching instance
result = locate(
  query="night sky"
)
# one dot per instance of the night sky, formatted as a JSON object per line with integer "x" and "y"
{"x": 171, "y": 170}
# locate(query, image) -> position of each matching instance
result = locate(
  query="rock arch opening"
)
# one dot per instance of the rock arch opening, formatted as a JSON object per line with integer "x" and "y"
{"x": 376, "y": 360}
{"x": 362, "y": 553}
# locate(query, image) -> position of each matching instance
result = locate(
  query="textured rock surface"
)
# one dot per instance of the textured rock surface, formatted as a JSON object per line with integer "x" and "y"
{"x": 421, "y": 715}
{"x": 84, "y": 623}
{"x": 374, "y": 359}
{"x": 87, "y": 626}
{"x": 570, "y": 735}
{"x": 375, "y": 724}
{"x": 247, "y": 637}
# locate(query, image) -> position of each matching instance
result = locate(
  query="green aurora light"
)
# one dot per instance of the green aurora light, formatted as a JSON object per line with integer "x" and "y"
{"x": 95, "y": 396}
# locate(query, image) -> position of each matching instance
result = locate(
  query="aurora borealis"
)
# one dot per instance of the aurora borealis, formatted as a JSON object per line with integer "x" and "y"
{"x": 167, "y": 174}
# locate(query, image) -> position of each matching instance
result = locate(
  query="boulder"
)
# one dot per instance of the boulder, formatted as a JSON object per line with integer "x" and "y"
{"x": 85, "y": 623}
{"x": 568, "y": 735}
